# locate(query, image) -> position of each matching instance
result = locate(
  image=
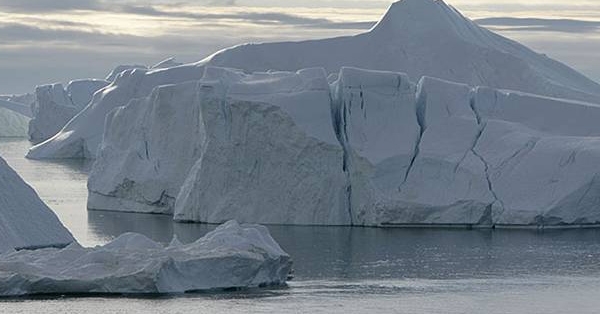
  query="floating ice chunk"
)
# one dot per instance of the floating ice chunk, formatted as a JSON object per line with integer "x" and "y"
{"x": 231, "y": 256}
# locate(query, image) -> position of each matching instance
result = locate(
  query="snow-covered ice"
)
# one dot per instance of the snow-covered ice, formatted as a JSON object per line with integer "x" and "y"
{"x": 55, "y": 105}
{"x": 25, "y": 221}
{"x": 231, "y": 256}
{"x": 417, "y": 37}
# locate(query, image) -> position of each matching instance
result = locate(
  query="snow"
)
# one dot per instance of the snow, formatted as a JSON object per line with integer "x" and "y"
{"x": 54, "y": 106}
{"x": 25, "y": 221}
{"x": 112, "y": 76}
{"x": 422, "y": 38}
{"x": 417, "y": 37}
{"x": 167, "y": 63}
{"x": 231, "y": 256}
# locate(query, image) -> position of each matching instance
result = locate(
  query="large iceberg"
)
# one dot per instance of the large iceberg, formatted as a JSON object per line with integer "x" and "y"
{"x": 232, "y": 256}
{"x": 55, "y": 105}
{"x": 25, "y": 221}
{"x": 418, "y": 37}
{"x": 373, "y": 148}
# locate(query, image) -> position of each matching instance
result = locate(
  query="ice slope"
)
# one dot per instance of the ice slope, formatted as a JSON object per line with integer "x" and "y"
{"x": 25, "y": 221}
{"x": 18, "y": 107}
{"x": 167, "y": 63}
{"x": 417, "y": 37}
{"x": 54, "y": 106}
{"x": 244, "y": 134}
{"x": 12, "y": 123}
{"x": 232, "y": 256}
{"x": 423, "y": 38}
{"x": 14, "y": 115}
{"x": 112, "y": 76}
{"x": 81, "y": 137}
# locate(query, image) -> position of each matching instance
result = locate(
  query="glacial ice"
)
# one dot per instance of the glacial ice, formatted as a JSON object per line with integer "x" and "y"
{"x": 15, "y": 112}
{"x": 25, "y": 221}
{"x": 248, "y": 133}
{"x": 417, "y": 37}
{"x": 373, "y": 149}
{"x": 54, "y": 106}
{"x": 81, "y": 136}
{"x": 12, "y": 123}
{"x": 231, "y": 256}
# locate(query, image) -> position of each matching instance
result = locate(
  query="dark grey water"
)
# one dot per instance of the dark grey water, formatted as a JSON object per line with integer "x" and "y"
{"x": 345, "y": 270}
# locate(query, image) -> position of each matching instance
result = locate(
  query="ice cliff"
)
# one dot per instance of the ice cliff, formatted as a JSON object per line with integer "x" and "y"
{"x": 232, "y": 256}
{"x": 54, "y": 106}
{"x": 25, "y": 221}
{"x": 417, "y": 37}
{"x": 373, "y": 148}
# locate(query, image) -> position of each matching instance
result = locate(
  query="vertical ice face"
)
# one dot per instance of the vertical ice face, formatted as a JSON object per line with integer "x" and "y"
{"x": 542, "y": 158}
{"x": 446, "y": 182}
{"x": 54, "y": 106}
{"x": 25, "y": 221}
{"x": 257, "y": 147}
{"x": 81, "y": 137}
{"x": 147, "y": 151}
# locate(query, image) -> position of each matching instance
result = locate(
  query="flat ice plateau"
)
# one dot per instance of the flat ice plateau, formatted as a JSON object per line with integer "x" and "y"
{"x": 231, "y": 256}
{"x": 25, "y": 221}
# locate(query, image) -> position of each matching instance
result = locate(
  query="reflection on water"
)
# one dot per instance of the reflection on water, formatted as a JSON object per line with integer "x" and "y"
{"x": 341, "y": 269}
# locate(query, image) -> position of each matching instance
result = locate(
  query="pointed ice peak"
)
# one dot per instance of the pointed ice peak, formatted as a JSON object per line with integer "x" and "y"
{"x": 422, "y": 16}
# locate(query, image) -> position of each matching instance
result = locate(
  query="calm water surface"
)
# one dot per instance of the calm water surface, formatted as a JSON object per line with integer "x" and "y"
{"x": 343, "y": 270}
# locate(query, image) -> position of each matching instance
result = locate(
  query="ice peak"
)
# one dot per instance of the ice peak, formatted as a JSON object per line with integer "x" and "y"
{"x": 420, "y": 16}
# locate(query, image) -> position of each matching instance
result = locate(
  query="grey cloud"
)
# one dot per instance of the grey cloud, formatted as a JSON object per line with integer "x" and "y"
{"x": 536, "y": 24}
{"x": 49, "y": 5}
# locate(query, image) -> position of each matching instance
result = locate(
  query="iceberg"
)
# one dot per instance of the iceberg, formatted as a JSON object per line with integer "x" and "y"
{"x": 371, "y": 149}
{"x": 54, "y": 106}
{"x": 25, "y": 221}
{"x": 231, "y": 256}
{"x": 417, "y": 37}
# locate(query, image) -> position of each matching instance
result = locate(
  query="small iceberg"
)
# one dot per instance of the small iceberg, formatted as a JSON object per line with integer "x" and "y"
{"x": 231, "y": 256}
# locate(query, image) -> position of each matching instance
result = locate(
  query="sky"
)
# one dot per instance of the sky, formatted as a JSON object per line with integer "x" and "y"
{"x": 47, "y": 41}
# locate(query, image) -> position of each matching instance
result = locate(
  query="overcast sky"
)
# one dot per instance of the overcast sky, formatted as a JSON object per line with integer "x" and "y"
{"x": 44, "y": 41}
